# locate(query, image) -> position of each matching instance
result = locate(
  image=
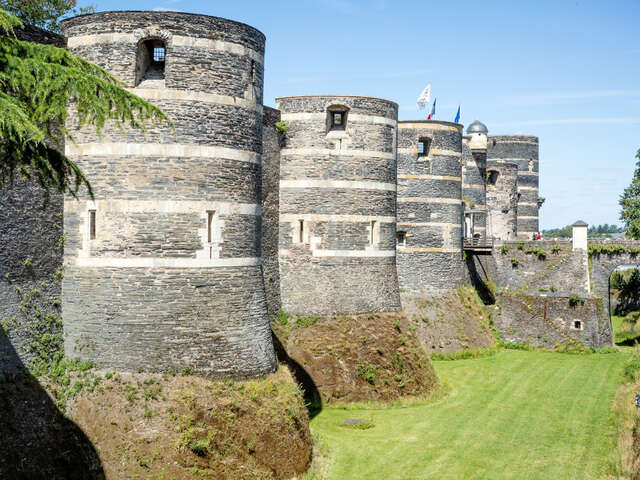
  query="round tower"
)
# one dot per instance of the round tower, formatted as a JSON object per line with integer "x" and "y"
{"x": 162, "y": 269}
{"x": 523, "y": 151}
{"x": 429, "y": 227}
{"x": 338, "y": 205}
{"x": 474, "y": 191}
{"x": 502, "y": 200}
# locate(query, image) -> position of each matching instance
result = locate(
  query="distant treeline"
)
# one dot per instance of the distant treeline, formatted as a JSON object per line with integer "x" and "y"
{"x": 595, "y": 231}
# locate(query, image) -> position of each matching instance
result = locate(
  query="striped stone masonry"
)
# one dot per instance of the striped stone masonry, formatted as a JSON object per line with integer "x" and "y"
{"x": 429, "y": 239}
{"x": 502, "y": 200}
{"x": 337, "y": 204}
{"x": 163, "y": 266}
{"x": 523, "y": 151}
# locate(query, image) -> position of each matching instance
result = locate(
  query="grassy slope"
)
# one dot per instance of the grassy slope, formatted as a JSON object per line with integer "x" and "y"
{"x": 517, "y": 415}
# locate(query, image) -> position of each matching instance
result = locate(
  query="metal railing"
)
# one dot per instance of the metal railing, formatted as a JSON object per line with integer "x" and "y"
{"x": 472, "y": 243}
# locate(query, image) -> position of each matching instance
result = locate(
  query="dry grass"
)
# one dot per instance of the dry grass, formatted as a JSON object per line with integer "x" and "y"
{"x": 185, "y": 427}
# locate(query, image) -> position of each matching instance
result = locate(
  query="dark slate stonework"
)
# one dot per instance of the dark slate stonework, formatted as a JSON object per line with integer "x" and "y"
{"x": 431, "y": 260}
{"x": 30, "y": 271}
{"x": 30, "y": 257}
{"x": 522, "y": 150}
{"x": 270, "y": 207}
{"x": 201, "y": 302}
{"x": 546, "y": 321}
{"x": 336, "y": 269}
{"x": 502, "y": 200}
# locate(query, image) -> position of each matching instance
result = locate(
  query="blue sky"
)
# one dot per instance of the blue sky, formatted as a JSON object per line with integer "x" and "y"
{"x": 566, "y": 71}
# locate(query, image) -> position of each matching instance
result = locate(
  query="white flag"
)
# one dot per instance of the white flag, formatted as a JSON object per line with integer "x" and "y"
{"x": 424, "y": 98}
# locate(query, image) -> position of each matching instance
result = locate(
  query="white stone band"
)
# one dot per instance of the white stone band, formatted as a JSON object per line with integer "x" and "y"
{"x": 429, "y": 224}
{"x": 348, "y": 253}
{"x": 174, "y": 40}
{"x": 313, "y": 217}
{"x": 152, "y": 94}
{"x": 164, "y": 262}
{"x": 428, "y": 177}
{"x": 451, "y": 201}
{"x": 160, "y": 150}
{"x": 355, "y": 185}
{"x": 427, "y": 250}
{"x": 352, "y": 117}
{"x": 432, "y": 151}
{"x": 163, "y": 206}
{"x": 338, "y": 152}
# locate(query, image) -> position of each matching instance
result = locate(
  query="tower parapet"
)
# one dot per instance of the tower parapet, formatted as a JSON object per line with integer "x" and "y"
{"x": 429, "y": 247}
{"x": 523, "y": 151}
{"x": 338, "y": 205}
{"x": 162, "y": 268}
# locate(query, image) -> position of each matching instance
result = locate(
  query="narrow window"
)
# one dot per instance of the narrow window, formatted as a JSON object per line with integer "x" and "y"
{"x": 372, "y": 235}
{"x": 337, "y": 118}
{"x": 210, "y": 215}
{"x": 92, "y": 224}
{"x": 401, "y": 239}
{"x": 492, "y": 177}
{"x": 253, "y": 72}
{"x": 577, "y": 324}
{"x": 300, "y": 231}
{"x": 424, "y": 145}
{"x": 150, "y": 63}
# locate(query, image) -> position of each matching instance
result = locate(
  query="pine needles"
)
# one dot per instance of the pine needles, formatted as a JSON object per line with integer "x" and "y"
{"x": 38, "y": 84}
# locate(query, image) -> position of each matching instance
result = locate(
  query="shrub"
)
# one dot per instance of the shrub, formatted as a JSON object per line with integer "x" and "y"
{"x": 632, "y": 368}
{"x": 575, "y": 300}
{"x": 283, "y": 318}
{"x": 504, "y": 249}
{"x": 367, "y": 371}
{"x": 521, "y": 246}
{"x": 515, "y": 262}
{"x": 281, "y": 127}
{"x": 555, "y": 249}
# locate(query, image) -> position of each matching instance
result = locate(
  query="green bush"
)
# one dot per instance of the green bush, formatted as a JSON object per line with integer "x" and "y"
{"x": 632, "y": 368}
{"x": 515, "y": 262}
{"x": 521, "y": 246}
{"x": 367, "y": 371}
{"x": 555, "y": 249}
{"x": 574, "y": 300}
{"x": 504, "y": 249}
{"x": 281, "y": 127}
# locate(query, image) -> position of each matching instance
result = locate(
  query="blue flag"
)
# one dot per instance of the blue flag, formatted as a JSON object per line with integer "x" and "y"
{"x": 457, "y": 115}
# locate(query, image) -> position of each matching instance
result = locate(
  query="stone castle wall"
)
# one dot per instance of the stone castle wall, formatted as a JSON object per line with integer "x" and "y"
{"x": 546, "y": 321}
{"x": 173, "y": 276}
{"x": 522, "y": 150}
{"x": 429, "y": 206}
{"x": 30, "y": 259}
{"x": 502, "y": 200}
{"x": 474, "y": 192}
{"x": 337, "y": 198}
{"x": 271, "y": 141}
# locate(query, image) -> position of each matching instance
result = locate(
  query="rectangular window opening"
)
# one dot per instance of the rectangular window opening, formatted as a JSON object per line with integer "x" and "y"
{"x": 401, "y": 239}
{"x": 92, "y": 224}
{"x": 372, "y": 235}
{"x": 338, "y": 120}
{"x": 301, "y": 231}
{"x": 424, "y": 145}
{"x": 210, "y": 215}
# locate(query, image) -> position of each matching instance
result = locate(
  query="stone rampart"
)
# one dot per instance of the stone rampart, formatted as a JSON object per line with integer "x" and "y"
{"x": 429, "y": 205}
{"x": 163, "y": 267}
{"x": 338, "y": 205}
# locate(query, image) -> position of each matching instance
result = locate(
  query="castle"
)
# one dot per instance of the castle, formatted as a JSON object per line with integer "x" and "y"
{"x": 326, "y": 204}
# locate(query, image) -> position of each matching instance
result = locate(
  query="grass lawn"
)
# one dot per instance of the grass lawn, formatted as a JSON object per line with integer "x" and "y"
{"x": 517, "y": 415}
{"x": 624, "y": 331}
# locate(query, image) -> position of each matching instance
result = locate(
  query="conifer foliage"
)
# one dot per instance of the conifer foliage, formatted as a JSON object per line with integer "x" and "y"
{"x": 37, "y": 85}
{"x": 630, "y": 203}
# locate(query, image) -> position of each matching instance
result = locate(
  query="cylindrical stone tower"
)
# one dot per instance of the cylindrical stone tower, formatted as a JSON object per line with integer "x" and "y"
{"x": 474, "y": 191}
{"x": 429, "y": 227}
{"x": 502, "y": 200}
{"x": 338, "y": 205}
{"x": 162, "y": 269}
{"x": 523, "y": 151}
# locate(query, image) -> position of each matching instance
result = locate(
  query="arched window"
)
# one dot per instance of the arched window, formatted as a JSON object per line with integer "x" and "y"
{"x": 150, "y": 63}
{"x": 492, "y": 177}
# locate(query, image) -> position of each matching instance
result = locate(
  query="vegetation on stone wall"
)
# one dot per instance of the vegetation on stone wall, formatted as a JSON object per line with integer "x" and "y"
{"x": 612, "y": 249}
{"x": 44, "y": 13}
{"x": 37, "y": 83}
{"x": 630, "y": 204}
